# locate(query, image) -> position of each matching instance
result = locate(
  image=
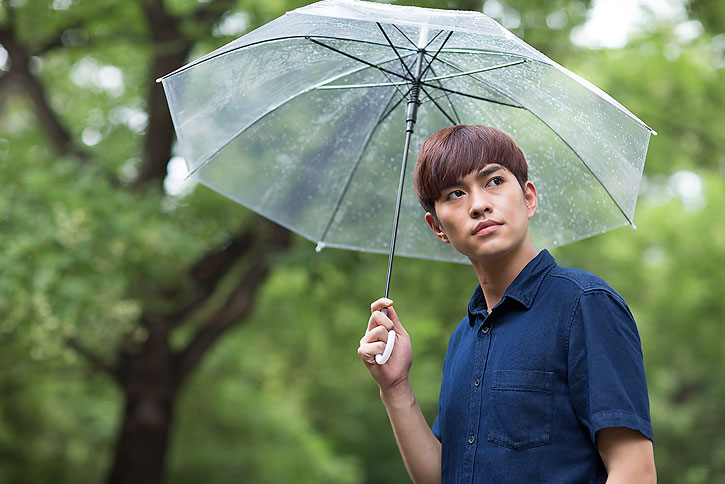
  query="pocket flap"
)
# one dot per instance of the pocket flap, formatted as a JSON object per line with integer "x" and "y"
{"x": 522, "y": 380}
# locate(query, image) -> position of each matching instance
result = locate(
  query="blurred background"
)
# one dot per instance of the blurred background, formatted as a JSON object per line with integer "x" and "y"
{"x": 153, "y": 331}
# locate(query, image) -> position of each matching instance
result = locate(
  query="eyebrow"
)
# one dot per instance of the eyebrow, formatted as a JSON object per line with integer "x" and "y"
{"x": 483, "y": 173}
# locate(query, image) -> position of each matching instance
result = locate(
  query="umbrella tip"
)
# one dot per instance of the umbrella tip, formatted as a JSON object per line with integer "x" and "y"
{"x": 634, "y": 227}
{"x": 320, "y": 246}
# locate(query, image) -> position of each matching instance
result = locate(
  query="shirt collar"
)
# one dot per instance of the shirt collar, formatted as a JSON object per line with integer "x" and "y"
{"x": 523, "y": 288}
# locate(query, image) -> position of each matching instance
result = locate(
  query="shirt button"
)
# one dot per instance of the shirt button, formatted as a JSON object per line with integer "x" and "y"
{"x": 471, "y": 439}
{"x": 485, "y": 329}
{"x": 476, "y": 382}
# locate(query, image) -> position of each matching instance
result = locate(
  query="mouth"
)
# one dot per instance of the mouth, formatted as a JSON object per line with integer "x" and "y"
{"x": 485, "y": 227}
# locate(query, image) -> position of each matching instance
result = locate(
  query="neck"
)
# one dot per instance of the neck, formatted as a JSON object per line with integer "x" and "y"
{"x": 496, "y": 274}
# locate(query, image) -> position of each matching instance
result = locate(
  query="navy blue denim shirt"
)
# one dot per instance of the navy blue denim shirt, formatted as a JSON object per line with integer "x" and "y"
{"x": 526, "y": 387}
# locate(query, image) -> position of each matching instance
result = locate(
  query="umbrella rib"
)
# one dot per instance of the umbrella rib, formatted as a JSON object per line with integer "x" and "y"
{"x": 472, "y": 96}
{"x": 397, "y": 103}
{"x": 448, "y": 98}
{"x": 435, "y": 56}
{"x": 433, "y": 39}
{"x": 487, "y": 84}
{"x": 384, "y": 114}
{"x": 363, "y": 61}
{"x": 406, "y": 37}
{"x": 586, "y": 165}
{"x": 367, "y": 86}
{"x": 451, "y": 76}
{"x": 439, "y": 106}
{"x": 460, "y": 50}
{"x": 404, "y": 95}
{"x": 271, "y": 110}
{"x": 385, "y": 34}
{"x": 362, "y": 86}
{"x": 254, "y": 44}
{"x": 475, "y": 71}
{"x": 382, "y": 70}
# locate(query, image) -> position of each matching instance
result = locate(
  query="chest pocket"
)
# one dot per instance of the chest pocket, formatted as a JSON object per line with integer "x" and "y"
{"x": 521, "y": 409}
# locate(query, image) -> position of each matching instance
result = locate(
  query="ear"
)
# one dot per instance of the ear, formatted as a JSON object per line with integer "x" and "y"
{"x": 435, "y": 226}
{"x": 531, "y": 198}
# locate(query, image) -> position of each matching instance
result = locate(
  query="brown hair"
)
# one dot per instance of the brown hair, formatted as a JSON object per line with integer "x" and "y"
{"x": 453, "y": 152}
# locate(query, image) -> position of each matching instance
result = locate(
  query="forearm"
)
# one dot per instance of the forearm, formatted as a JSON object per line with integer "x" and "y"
{"x": 419, "y": 448}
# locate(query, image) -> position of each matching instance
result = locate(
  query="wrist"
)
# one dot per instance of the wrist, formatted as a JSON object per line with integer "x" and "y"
{"x": 398, "y": 396}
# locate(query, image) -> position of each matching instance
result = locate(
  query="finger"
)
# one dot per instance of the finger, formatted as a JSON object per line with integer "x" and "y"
{"x": 379, "y": 333}
{"x": 381, "y": 303}
{"x": 392, "y": 315}
{"x": 368, "y": 351}
{"x": 397, "y": 325}
{"x": 379, "y": 319}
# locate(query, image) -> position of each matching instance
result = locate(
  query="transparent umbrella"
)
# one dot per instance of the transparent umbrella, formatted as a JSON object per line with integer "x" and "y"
{"x": 309, "y": 119}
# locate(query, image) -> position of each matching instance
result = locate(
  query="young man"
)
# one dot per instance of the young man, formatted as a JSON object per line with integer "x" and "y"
{"x": 543, "y": 380}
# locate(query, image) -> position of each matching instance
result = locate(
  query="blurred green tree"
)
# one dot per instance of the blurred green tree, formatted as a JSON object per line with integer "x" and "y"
{"x": 97, "y": 256}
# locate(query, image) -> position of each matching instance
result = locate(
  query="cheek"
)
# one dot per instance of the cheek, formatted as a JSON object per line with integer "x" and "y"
{"x": 519, "y": 210}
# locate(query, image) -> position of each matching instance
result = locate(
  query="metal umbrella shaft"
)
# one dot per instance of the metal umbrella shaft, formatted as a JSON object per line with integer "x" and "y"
{"x": 411, "y": 117}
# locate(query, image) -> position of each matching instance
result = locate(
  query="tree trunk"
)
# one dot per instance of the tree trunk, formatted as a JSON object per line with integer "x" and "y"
{"x": 151, "y": 376}
{"x": 147, "y": 381}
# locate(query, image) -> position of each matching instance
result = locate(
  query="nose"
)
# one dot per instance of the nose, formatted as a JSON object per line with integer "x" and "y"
{"x": 480, "y": 204}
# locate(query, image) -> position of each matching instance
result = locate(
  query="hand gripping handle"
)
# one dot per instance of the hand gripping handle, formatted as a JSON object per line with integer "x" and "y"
{"x": 382, "y": 358}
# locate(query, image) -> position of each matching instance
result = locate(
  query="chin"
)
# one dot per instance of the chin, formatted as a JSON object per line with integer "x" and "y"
{"x": 488, "y": 253}
{"x": 492, "y": 250}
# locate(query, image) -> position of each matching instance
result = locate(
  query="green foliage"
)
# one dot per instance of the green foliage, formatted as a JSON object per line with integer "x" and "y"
{"x": 245, "y": 422}
{"x": 710, "y": 12}
{"x": 56, "y": 419}
{"x": 675, "y": 87}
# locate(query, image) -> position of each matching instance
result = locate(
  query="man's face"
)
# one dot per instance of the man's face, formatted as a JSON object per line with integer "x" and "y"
{"x": 485, "y": 214}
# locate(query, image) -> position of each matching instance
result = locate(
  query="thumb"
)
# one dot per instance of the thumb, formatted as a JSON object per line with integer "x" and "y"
{"x": 397, "y": 325}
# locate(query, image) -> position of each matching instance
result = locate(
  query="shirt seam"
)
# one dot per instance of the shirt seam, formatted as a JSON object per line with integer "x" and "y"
{"x": 601, "y": 287}
{"x": 577, "y": 304}
{"x": 641, "y": 425}
{"x": 614, "y": 412}
{"x": 568, "y": 330}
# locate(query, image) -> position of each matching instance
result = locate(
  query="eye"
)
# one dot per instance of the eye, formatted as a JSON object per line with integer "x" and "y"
{"x": 495, "y": 181}
{"x": 455, "y": 194}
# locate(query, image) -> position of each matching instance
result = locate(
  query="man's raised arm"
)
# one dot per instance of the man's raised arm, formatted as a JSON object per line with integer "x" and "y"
{"x": 420, "y": 449}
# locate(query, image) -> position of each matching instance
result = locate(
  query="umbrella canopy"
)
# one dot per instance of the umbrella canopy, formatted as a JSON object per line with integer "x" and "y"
{"x": 304, "y": 119}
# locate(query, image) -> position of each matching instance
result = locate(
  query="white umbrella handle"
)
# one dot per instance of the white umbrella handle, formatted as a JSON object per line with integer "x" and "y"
{"x": 385, "y": 355}
{"x": 382, "y": 358}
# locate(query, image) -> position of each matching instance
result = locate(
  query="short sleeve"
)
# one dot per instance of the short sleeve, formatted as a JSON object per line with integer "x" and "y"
{"x": 606, "y": 369}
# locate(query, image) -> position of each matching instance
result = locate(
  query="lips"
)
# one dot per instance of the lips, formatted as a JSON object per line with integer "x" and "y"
{"x": 485, "y": 227}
